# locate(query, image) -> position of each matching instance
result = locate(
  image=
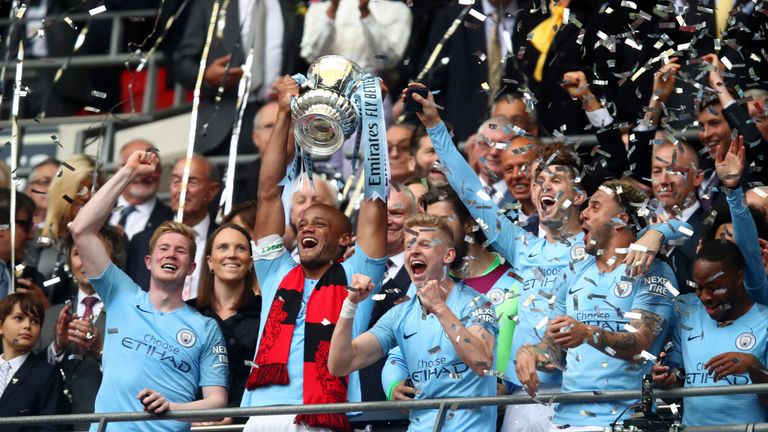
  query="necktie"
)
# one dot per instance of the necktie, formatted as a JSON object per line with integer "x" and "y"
{"x": 5, "y": 375}
{"x": 89, "y": 302}
{"x": 494, "y": 56}
{"x": 389, "y": 275}
{"x": 257, "y": 42}
{"x": 124, "y": 215}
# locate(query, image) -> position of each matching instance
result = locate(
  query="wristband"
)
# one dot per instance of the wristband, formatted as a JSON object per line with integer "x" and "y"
{"x": 392, "y": 389}
{"x": 348, "y": 309}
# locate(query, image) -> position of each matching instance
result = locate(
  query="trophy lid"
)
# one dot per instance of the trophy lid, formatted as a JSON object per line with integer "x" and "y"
{"x": 335, "y": 73}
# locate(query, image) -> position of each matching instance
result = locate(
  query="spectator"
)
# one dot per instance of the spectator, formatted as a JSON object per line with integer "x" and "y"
{"x": 195, "y": 350}
{"x": 427, "y": 164}
{"x": 464, "y": 345}
{"x": 758, "y": 110}
{"x": 703, "y": 337}
{"x": 290, "y": 361}
{"x": 515, "y": 163}
{"x": 597, "y": 347}
{"x": 272, "y": 28}
{"x": 67, "y": 195}
{"x": 28, "y": 385}
{"x": 402, "y": 165}
{"x": 484, "y": 154}
{"x": 511, "y": 105}
{"x": 75, "y": 340}
{"x": 242, "y": 215}
{"x": 372, "y": 34}
{"x": 140, "y": 209}
{"x": 39, "y": 182}
{"x": 228, "y": 293}
{"x": 676, "y": 176}
{"x": 263, "y": 124}
{"x": 28, "y": 280}
{"x": 202, "y": 187}
{"x": 247, "y": 175}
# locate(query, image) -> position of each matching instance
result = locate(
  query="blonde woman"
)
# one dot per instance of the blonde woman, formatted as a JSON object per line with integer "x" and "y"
{"x": 69, "y": 191}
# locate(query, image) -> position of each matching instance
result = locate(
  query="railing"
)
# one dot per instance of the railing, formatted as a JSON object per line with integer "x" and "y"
{"x": 442, "y": 405}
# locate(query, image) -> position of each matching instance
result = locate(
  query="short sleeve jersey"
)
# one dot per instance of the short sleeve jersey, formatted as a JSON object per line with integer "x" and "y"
{"x": 272, "y": 262}
{"x": 174, "y": 353}
{"x": 602, "y": 300}
{"x": 435, "y": 368}
{"x": 697, "y": 338}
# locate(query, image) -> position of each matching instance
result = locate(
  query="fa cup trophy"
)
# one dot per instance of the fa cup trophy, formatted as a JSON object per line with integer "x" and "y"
{"x": 324, "y": 115}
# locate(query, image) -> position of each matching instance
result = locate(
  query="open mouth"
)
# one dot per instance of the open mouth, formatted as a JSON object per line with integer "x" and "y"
{"x": 547, "y": 204}
{"x": 169, "y": 267}
{"x": 231, "y": 265}
{"x": 418, "y": 267}
{"x": 308, "y": 243}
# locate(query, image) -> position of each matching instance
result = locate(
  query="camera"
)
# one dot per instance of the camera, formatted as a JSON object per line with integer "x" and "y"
{"x": 664, "y": 418}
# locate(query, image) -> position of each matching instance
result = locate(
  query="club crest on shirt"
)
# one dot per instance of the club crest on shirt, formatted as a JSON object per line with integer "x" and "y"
{"x": 745, "y": 341}
{"x": 622, "y": 289}
{"x": 186, "y": 338}
{"x": 496, "y": 296}
{"x": 578, "y": 253}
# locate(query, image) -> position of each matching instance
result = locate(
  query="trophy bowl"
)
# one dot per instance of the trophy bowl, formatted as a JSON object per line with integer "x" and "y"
{"x": 323, "y": 115}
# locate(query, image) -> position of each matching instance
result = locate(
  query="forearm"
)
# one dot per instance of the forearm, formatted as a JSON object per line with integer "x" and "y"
{"x": 269, "y": 211}
{"x": 341, "y": 354}
{"x": 212, "y": 401}
{"x": 467, "y": 185}
{"x": 98, "y": 209}
{"x": 470, "y": 347}
{"x": 394, "y": 371}
{"x": 745, "y": 235}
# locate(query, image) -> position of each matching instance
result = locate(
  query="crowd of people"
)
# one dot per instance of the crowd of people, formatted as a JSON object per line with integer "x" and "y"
{"x": 507, "y": 256}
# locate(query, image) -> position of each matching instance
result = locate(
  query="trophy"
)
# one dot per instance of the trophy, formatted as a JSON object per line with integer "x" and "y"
{"x": 324, "y": 116}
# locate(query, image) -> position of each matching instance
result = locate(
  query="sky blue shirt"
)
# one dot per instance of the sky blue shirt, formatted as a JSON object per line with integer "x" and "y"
{"x": 272, "y": 263}
{"x": 696, "y": 338}
{"x": 173, "y": 353}
{"x": 601, "y": 300}
{"x": 746, "y": 238}
{"x": 436, "y": 369}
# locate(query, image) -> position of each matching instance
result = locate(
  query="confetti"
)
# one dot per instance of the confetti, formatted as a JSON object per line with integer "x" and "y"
{"x": 325, "y": 322}
{"x": 112, "y": 330}
{"x": 478, "y": 15}
{"x": 630, "y": 328}
{"x": 69, "y": 22}
{"x": 434, "y": 350}
{"x": 378, "y": 297}
{"x": 97, "y": 10}
{"x": 633, "y": 315}
{"x": 50, "y": 282}
{"x": 715, "y": 276}
{"x": 21, "y": 11}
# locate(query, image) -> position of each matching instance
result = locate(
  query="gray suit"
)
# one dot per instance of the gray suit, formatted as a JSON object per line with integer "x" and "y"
{"x": 82, "y": 373}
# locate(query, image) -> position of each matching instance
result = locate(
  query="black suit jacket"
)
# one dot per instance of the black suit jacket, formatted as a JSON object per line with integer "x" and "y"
{"x": 466, "y": 104}
{"x": 35, "y": 389}
{"x": 82, "y": 372}
{"x": 682, "y": 257}
{"x": 138, "y": 246}
{"x": 370, "y": 377}
{"x": 187, "y": 61}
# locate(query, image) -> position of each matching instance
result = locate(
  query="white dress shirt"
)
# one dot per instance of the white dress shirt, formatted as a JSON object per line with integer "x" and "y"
{"x": 398, "y": 261}
{"x": 15, "y": 363}
{"x": 506, "y": 25}
{"x": 137, "y": 219}
{"x": 273, "y": 40}
{"x": 201, "y": 235}
{"x": 375, "y": 42}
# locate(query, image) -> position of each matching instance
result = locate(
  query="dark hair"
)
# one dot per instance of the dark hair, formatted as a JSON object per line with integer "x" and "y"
{"x": 246, "y": 211}
{"x": 559, "y": 154}
{"x": 714, "y": 100}
{"x": 27, "y": 304}
{"x": 23, "y": 202}
{"x": 205, "y": 288}
{"x": 721, "y": 214}
{"x": 631, "y": 199}
{"x": 726, "y": 253}
{"x": 421, "y": 132}
{"x": 116, "y": 240}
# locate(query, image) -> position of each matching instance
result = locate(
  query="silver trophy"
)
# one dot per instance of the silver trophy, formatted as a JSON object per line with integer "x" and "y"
{"x": 324, "y": 116}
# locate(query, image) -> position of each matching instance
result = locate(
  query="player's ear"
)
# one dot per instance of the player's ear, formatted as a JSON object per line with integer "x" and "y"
{"x": 148, "y": 262}
{"x": 346, "y": 240}
{"x": 450, "y": 255}
{"x": 580, "y": 198}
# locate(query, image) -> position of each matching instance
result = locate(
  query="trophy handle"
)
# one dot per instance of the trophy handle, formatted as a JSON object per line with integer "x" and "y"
{"x": 294, "y": 103}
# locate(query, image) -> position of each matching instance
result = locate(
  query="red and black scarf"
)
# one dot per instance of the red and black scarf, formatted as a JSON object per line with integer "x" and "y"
{"x": 323, "y": 309}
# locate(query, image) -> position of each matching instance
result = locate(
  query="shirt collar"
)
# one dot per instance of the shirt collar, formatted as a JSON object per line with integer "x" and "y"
{"x": 201, "y": 229}
{"x": 16, "y": 362}
{"x": 510, "y": 9}
{"x": 81, "y": 295}
{"x": 144, "y": 208}
{"x": 398, "y": 260}
{"x": 690, "y": 210}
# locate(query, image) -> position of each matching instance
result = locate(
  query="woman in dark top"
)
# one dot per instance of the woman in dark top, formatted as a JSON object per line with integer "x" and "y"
{"x": 228, "y": 292}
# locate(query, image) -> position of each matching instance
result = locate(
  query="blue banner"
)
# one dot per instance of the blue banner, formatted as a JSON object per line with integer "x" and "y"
{"x": 374, "y": 139}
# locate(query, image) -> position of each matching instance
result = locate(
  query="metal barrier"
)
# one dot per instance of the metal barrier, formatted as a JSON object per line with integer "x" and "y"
{"x": 443, "y": 405}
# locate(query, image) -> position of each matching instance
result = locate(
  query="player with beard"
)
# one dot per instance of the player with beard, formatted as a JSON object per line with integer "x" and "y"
{"x": 607, "y": 324}
{"x": 540, "y": 265}
{"x": 458, "y": 324}
{"x": 301, "y": 302}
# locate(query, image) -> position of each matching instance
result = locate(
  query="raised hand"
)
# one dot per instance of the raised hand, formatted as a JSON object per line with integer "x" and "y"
{"x": 428, "y": 116}
{"x": 432, "y": 296}
{"x": 642, "y": 252}
{"x": 730, "y": 161}
{"x": 287, "y": 88}
{"x": 359, "y": 288}
{"x": 664, "y": 80}
{"x": 142, "y": 162}
{"x": 576, "y": 84}
{"x": 61, "y": 339}
{"x": 716, "y": 75}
